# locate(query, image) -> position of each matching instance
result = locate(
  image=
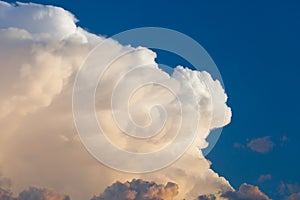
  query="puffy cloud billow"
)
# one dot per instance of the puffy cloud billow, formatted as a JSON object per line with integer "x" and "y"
{"x": 40, "y": 54}
{"x": 139, "y": 190}
{"x": 33, "y": 193}
{"x": 246, "y": 192}
{"x": 6, "y": 195}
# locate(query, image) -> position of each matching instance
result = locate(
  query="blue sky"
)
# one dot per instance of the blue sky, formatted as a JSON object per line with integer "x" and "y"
{"x": 256, "y": 47}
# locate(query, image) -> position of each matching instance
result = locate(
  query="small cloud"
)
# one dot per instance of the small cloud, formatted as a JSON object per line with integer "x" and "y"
{"x": 284, "y": 138}
{"x": 281, "y": 188}
{"x": 293, "y": 188}
{"x": 264, "y": 177}
{"x": 289, "y": 189}
{"x": 238, "y": 145}
{"x": 261, "y": 145}
{"x": 246, "y": 192}
{"x": 295, "y": 196}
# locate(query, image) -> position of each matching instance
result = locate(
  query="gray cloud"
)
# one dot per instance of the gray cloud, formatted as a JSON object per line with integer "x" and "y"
{"x": 6, "y": 195}
{"x": 264, "y": 177}
{"x": 291, "y": 190}
{"x": 261, "y": 145}
{"x": 238, "y": 145}
{"x": 207, "y": 197}
{"x": 5, "y": 182}
{"x": 34, "y": 193}
{"x": 295, "y": 196}
{"x": 246, "y": 192}
{"x": 138, "y": 189}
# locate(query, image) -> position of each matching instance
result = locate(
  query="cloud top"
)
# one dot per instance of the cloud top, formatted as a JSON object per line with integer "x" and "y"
{"x": 47, "y": 22}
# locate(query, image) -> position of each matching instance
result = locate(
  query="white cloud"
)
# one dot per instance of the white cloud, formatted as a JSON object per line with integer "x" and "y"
{"x": 41, "y": 21}
{"x": 40, "y": 53}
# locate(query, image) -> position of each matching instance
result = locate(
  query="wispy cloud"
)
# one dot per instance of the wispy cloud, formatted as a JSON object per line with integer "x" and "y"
{"x": 288, "y": 188}
{"x": 291, "y": 191}
{"x": 238, "y": 145}
{"x": 295, "y": 196}
{"x": 264, "y": 177}
{"x": 261, "y": 145}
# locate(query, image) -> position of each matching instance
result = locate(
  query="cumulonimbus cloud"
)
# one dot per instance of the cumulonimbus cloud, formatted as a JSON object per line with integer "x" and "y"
{"x": 41, "y": 51}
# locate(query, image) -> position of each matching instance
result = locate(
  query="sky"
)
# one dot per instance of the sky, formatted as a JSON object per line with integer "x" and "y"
{"x": 256, "y": 47}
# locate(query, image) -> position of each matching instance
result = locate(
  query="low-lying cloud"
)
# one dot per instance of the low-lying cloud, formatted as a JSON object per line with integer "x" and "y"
{"x": 246, "y": 192}
{"x": 295, "y": 196}
{"x": 34, "y": 193}
{"x": 139, "y": 190}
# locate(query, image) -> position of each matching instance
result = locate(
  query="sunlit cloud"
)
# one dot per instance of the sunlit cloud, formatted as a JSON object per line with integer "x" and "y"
{"x": 38, "y": 142}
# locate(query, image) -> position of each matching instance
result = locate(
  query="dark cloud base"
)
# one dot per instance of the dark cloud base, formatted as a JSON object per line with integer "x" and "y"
{"x": 138, "y": 189}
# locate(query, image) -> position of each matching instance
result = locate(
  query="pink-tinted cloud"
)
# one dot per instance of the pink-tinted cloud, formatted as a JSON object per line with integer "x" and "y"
{"x": 34, "y": 193}
{"x": 6, "y": 195}
{"x": 5, "y": 182}
{"x": 288, "y": 188}
{"x": 38, "y": 85}
{"x": 295, "y": 196}
{"x": 264, "y": 177}
{"x": 261, "y": 145}
{"x": 246, "y": 192}
{"x": 138, "y": 189}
